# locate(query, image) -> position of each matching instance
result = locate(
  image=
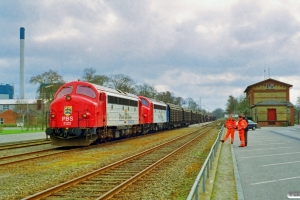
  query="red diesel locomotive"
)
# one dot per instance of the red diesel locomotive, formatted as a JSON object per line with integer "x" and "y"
{"x": 83, "y": 113}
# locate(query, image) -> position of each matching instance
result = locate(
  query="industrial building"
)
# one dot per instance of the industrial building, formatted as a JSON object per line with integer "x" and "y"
{"x": 6, "y": 91}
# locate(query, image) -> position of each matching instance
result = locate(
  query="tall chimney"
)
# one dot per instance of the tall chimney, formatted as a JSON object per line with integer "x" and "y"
{"x": 22, "y": 43}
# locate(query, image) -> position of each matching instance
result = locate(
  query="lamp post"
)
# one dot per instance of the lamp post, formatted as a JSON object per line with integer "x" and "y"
{"x": 198, "y": 108}
{"x": 43, "y": 104}
{"x": 203, "y": 113}
{"x": 208, "y": 114}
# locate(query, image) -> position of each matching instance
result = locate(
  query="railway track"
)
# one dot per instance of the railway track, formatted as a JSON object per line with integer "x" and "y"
{"x": 33, "y": 155}
{"x": 18, "y": 158}
{"x": 108, "y": 181}
{"x": 23, "y": 144}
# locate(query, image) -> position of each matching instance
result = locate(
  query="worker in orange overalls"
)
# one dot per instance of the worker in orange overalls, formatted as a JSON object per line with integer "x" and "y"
{"x": 242, "y": 125}
{"x": 230, "y": 125}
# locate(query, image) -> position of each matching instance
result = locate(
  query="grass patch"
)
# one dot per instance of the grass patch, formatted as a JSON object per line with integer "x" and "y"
{"x": 18, "y": 131}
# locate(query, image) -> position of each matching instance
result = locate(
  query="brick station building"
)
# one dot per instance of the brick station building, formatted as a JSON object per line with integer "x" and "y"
{"x": 270, "y": 103}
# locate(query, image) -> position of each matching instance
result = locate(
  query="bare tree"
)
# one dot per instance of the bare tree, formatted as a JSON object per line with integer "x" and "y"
{"x": 243, "y": 105}
{"x": 232, "y": 104}
{"x": 89, "y": 75}
{"x": 179, "y": 101}
{"x": 48, "y": 82}
{"x": 218, "y": 113}
{"x": 168, "y": 97}
{"x": 122, "y": 82}
{"x": 146, "y": 90}
{"x": 100, "y": 80}
{"x": 26, "y": 113}
{"x": 192, "y": 105}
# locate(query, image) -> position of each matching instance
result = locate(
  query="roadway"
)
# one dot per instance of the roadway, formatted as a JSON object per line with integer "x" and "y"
{"x": 268, "y": 168}
{"x": 22, "y": 137}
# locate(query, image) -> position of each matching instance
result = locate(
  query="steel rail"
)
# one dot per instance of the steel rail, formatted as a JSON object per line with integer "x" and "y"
{"x": 21, "y": 145}
{"x": 94, "y": 173}
{"x": 42, "y": 156}
{"x": 25, "y": 154}
{"x": 139, "y": 175}
{"x": 37, "y": 157}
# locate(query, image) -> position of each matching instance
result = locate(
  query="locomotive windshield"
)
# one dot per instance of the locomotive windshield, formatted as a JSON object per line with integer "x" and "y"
{"x": 85, "y": 90}
{"x": 145, "y": 102}
{"x": 65, "y": 91}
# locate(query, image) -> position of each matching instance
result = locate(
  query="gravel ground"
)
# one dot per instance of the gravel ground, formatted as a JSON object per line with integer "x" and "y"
{"x": 21, "y": 180}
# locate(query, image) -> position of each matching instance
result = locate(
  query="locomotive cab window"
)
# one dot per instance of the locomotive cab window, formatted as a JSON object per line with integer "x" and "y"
{"x": 85, "y": 90}
{"x": 65, "y": 91}
{"x": 144, "y": 102}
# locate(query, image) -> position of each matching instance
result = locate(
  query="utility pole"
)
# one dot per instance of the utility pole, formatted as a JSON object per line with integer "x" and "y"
{"x": 43, "y": 107}
{"x": 203, "y": 114}
{"x": 200, "y": 107}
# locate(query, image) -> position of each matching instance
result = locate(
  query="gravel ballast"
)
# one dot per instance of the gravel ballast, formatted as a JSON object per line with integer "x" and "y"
{"x": 21, "y": 180}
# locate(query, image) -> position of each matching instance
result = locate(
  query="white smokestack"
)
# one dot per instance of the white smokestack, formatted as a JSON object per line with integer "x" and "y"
{"x": 22, "y": 43}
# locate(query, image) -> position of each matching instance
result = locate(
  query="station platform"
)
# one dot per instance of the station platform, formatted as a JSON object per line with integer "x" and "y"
{"x": 268, "y": 168}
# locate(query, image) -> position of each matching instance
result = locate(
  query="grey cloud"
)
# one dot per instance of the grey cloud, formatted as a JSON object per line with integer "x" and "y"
{"x": 145, "y": 40}
{"x": 252, "y": 24}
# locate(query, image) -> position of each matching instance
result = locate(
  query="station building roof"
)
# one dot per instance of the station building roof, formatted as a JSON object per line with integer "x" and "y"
{"x": 265, "y": 81}
{"x": 272, "y": 102}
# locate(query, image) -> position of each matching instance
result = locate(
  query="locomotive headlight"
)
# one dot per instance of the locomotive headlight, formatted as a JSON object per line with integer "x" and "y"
{"x": 52, "y": 116}
{"x": 86, "y": 115}
{"x": 68, "y": 98}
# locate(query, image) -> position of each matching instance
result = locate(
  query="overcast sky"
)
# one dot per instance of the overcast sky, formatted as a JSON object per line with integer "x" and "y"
{"x": 204, "y": 49}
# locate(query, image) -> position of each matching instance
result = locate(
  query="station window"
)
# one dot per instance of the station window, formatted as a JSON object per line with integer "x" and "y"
{"x": 5, "y": 107}
{"x": 269, "y": 86}
{"x": 1, "y": 121}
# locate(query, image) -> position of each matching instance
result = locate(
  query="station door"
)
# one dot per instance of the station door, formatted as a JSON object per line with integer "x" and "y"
{"x": 271, "y": 116}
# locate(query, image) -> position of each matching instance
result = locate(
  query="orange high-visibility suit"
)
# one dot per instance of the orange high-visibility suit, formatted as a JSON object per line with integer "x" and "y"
{"x": 230, "y": 125}
{"x": 242, "y": 125}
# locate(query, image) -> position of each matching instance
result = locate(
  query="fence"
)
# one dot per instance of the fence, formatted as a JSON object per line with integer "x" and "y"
{"x": 204, "y": 172}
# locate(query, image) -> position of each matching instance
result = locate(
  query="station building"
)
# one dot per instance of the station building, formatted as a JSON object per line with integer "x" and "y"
{"x": 270, "y": 103}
